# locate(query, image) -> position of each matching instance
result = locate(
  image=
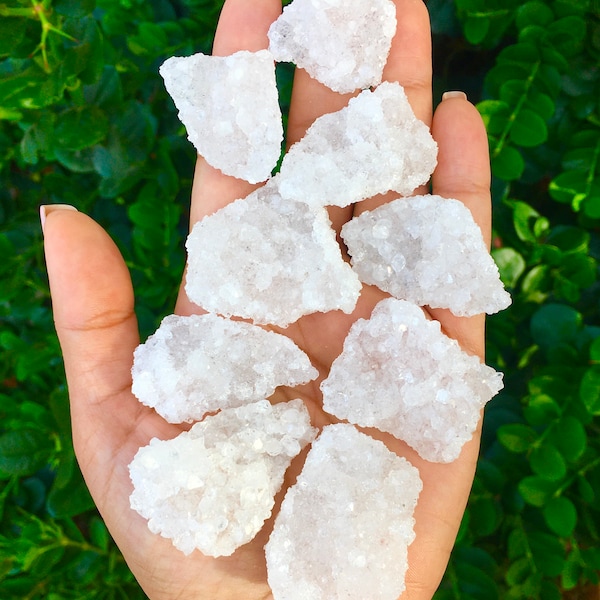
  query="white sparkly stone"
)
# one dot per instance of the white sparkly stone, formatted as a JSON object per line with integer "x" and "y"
{"x": 229, "y": 106}
{"x": 374, "y": 145}
{"x": 269, "y": 260}
{"x": 344, "y": 528}
{"x": 399, "y": 373}
{"x": 212, "y": 488}
{"x": 202, "y": 363}
{"x": 342, "y": 43}
{"x": 428, "y": 250}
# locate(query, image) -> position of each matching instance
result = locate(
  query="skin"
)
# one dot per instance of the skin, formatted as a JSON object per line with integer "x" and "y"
{"x": 93, "y": 309}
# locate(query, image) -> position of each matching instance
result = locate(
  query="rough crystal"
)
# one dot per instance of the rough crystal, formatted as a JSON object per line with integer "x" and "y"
{"x": 269, "y": 260}
{"x": 342, "y": 43}
{"x": 344, "y": 528}
{"x": 213, "y": 487}
{"x": 428, "y": 250}
{"x": 202, "y": 363}
{"x": 229, "y": 106}
{"x": 374, "y": 145}
{"x": 399, "y": 373}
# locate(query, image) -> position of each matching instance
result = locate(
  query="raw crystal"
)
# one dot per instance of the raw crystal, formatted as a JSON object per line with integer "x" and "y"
{"x": 374, "y": 145}
{"x": 212, "y": 488}
{"x": 202, "y": 363}
{"x": 428, "y": 250}
{"x": 342, "y": 43}
{"x": 344, "y": 528}
{"x": 269, "y": 260}
{"x": 229, "y": 106}
{"x": 399, "y": 373}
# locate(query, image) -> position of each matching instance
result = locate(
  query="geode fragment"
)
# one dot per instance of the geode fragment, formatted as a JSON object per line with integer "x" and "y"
{"x": 203, "y": 363}
{"x": 428, "y": 250}
{"x": 229, "y": 106}
{"x": 268, "y": 259}
{"x": 344, "y": 528}
{"x": 399, "y": 373}
{"x": 374, "y": 145}
{"x": 213, "y": 487}
{"x": 341, "y": 43}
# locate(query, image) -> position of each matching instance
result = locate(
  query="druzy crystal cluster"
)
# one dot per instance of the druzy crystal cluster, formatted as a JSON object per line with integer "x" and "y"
{"x": 345, "y": 526}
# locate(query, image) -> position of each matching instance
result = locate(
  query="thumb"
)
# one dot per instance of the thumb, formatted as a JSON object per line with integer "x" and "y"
{"x": 93, "y": 306}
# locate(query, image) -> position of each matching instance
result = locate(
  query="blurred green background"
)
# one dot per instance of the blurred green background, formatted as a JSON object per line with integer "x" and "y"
{"x": 85, "y": 120}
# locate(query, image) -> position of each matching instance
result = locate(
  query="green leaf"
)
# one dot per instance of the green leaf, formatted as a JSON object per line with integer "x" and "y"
{"x": 589, "y": 390}
{"x": 541, "y": 409}
{"x": 561, "y": 516}
{"x": 69, "y": 495}
{"x": 517, "y": 437}
{"x": 519, "y": 571}
{"x": 485, "y": 516}
{"x": 74, "y": 8}
{"x": 529, "y": 224}
{"x": 535, "y": 285}
{"x": 554, "y": 324}
{"x": 80, "y": 128}
{"x": 476, "y": 28}
{"x": 510, "y": 264}
{"x": 570, "y": 239}
{"x": 591, "y": 204}
{"x": 569, "y": 187}
{"x": 528, "y": 129}
{"x": 547, "y": 462}
{"x": 536, "y": 490}
{"x": 508, "y": 164}
{"x": 548, "y": 553}
{"x": 570, "y": 437}
{"x": 23, "y": 452}
{"x": 99, "y": 533}
{"x": 12, "y": 32}
{"x": 534, "y": 13}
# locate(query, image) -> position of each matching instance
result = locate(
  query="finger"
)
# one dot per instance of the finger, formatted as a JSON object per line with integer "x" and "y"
{"x": 242, "y": 25}
{"x": 463, "y": 173}
{"x": 93, "y": 304}
{"x": 409, "y": 64}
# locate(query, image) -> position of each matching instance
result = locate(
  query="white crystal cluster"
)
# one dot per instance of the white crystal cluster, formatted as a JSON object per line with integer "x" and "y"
{"x": 374, "y": 145}
{"x": 341, "y": 43}
{"x": 268, "y": 259}
{"x": 344, "y": 528}
{"x": 399, "y": 373}
{"x": 428, "y": 250}
{"x": 213, "y": 487}
{"x": 202, "y": 363}
{"x": 229, "y": 106}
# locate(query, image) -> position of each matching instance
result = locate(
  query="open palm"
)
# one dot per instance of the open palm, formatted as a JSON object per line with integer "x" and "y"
{"x": 93, "y": 306}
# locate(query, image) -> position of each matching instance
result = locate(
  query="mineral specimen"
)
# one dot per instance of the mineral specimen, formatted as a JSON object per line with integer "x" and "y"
{"x": 374, "y": 145}
{"x": 269, "y": 260}
{"x": 229, "y": 106}
{"x": 345, "y": 526}
{"x": 428, "y": 250}
{"x": 398, "y": 372}
{"x": 202, "y": 363}
{"x": 213, "y": 487}
{"x": 342, "y": 43}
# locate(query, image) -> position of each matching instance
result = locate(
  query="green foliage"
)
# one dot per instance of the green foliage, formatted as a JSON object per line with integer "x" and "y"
{"x": 534, "y": 508}
{"x": 85, "y": 120}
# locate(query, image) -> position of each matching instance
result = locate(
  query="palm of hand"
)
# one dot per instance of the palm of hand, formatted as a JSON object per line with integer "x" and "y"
{"x": 93, "y": 304}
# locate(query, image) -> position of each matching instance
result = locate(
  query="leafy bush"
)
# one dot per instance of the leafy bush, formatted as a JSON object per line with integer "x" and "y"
{"x": 85, "y": 120}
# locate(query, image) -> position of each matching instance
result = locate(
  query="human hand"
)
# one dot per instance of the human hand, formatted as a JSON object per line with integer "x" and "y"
{"x": 93, "y": 306}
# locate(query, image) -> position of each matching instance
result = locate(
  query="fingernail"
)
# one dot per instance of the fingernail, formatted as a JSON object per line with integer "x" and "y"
{"x": 46, "y": 209}
{"x": 454, "y": 94}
